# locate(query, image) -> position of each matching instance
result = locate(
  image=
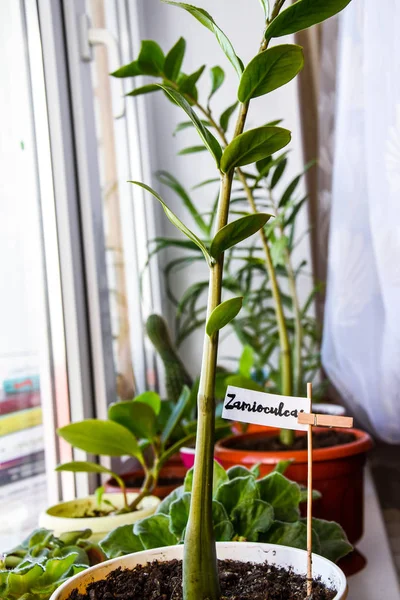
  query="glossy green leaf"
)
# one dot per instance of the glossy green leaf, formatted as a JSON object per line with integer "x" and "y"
{"x": 174, "y": 59}
{"x": 217, "y": 79}
{"x": 136, "y": 416}
{"x": 100, "y": 437}
{"x": 280, "y": 168}
{"x": 145, "y": 89}
{"x": 151, "y": 58}
{"x": 245, "y": 383}
{"x": 246, "y": 361}
{"x": 284, "y": 495}
{"x": 269, "y": 70}
{"x": 165, "y": 505}
{"x": 333, "y": 540}
{"x": 176, "y": 221}
{"x": 223, "y": 314}
{"x": 121, "y": 541}
{"x": 186, "y": 124}
{"x": 176, "y": 415}
{"x": 152, "y": 399}
{"x": 189, "y": 82}
{"x": 286, "y": 534}
{"x": 131, "y": 70}
{"x": 253, "y": 145}
{"x": 154, "y": 532}
{"x": 288, "y": 193}
{"x": 252, "y": 517}
{"x": 206, "y": 19}
{"x": 236, "y": 232}
{"x": 303, "y": 14}
{"x": 234, "y": 492}
{"x": 81, "y": 466}
{"x": 226, "y": 116}
{"x": 191, "y": 150}
{"x": 209, "y": 140}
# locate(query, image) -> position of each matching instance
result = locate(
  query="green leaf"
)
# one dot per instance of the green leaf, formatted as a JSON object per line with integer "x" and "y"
{"x": 284, "y": 495}
{"x": 303, "y": 14}
{"x": 263, "y": 166}
{"x": 186, "y": 124}
{"x": 151, "y": 58}
{"x": 152, "y": 399}
{"x": 206, "y": 19}
{"x": 253, "y": 145}
{"x": 245, "y": 383}
{"x": 136, "y": 416}
{"x": 217, "y": 79}
{"x": 220, "y": 476}
{"x": 121, "y": 541}
{"x": 287, "y": 194}
{"x": 278, "y": 248}
{"x": 316, "y": 495}
{"x": 223, "y": 314}
{"x": 252, "y": 517}
{"x": 278, "y": 173}
{"x": 188, "y": 482}
{"x": 130, "y": 70}
{"x": 179, "y": 514}
{"x": 269, "y": 70}
{"x": 246, "y": 361}
{"x": 154, "y": 532}
{"x": 239, "y": 471}
{"x": 165, "y": 505}
{"x": 236, "y": 232}
{"x": 176, "y": 415}
{"x": 282, "y": 466}
{"x": 332, "y": 538}
{"x": 191, "y": 150}
{"x": 80, "y": 466}
{"x": 226, "y": 115}
{"x": 176, "y": 221}
{"x": 174, "y": 60}
{"x": 209, "y": 140}
{"x": 286, "y": 534}
{"x": 235, "y": 491}
{"x": 101, "y": 437}
{"x": 265, "y": 6}
{"x": 223, "y": 528}
{"x": 145, "y": 89}
{"x": 189, "y": 82}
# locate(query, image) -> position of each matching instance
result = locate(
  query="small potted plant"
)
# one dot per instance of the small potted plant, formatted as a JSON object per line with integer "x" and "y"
{"x": 136, "y": 428}
{"x": 198, "y": 573}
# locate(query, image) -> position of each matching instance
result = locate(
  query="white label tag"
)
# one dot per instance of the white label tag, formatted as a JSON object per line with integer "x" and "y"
{"x": 270, "y": 410}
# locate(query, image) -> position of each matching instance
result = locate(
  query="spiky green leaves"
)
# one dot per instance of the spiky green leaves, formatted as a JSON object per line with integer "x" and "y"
{"x": 303, "y": 14}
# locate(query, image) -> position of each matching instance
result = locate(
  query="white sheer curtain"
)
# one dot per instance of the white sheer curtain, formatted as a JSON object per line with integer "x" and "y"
{"x": 361, "y": 346}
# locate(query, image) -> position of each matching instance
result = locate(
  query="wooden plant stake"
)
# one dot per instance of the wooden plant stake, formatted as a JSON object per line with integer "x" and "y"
{"x": 313, "y": 420}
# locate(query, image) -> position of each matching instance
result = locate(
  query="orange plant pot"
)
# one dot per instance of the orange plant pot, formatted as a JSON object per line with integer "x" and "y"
{"x": 171, "y": 477}
{"x": 338, "y": 473}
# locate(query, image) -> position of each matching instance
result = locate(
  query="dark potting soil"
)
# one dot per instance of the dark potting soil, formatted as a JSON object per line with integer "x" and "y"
{"x": 321, "y": 439}
{"x": 239, "y": 581}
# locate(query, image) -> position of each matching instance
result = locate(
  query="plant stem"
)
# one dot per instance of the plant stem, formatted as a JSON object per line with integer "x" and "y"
{"x": 122, "y": 485}
{"x": 146, "y": 490}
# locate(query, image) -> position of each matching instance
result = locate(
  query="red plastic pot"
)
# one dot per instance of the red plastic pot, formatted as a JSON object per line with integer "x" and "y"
{"x": 338, "y": 473}
{"x": 171, "y": 477}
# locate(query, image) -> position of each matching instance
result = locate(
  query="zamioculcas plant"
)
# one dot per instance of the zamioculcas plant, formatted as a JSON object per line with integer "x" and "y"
{"x": 268, "y": 70}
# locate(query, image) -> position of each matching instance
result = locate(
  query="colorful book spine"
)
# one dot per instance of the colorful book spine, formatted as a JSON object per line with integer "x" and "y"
{"x": 23, "y": 419}
{"x": 21, "y": 443}
{"x": 17, "y": 402}
{"x": 16, "y": 385}
{"x": 23, "y": 468}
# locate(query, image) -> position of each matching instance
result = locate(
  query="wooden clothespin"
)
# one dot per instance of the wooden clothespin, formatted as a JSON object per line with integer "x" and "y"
{"x": 315, "y": 420}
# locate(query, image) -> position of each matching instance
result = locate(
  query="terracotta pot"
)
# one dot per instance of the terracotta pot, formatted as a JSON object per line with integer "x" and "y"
{"x": 171, "y": 477}
{"x": 338, "y": 473}
{"x": 281, "y": 556}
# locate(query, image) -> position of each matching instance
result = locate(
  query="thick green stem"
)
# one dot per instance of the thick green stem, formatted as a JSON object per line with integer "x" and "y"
{"x": 146, "y": 490}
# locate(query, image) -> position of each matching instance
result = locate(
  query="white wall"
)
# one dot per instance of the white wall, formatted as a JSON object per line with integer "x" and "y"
{"x": 242, "y": 21}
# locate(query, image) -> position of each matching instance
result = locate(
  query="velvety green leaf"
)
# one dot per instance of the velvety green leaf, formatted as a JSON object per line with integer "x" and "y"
{"x": 144, "y": 89}
{"x": 176, "y": 415}
{"x": 253, "y": 145}
{"x": 136, "y": 416}
{"x": 252, "y": 517}
{"x": 174, "y": 60}
{"x": 192, "y": 150}
{"x": 226, "y": 116}
{"x": 131, "y": 70}
{"x": 284, "y": 495}
{"x": 209, "y": 140}
{"x": 220, "y": 476}
{"x": 235, "y": 491}
{"x": 286, "y": 534}
{"x": 80, "y": 466}
{"x": 282, "y": 466}
{"x": 239, "y": 471}
{"x": 121, "y": 541}
{"x": 269, "y": 70}
{"x": 223, "y": 528}
{"x": 165, "y": 505}
{"x": 332, "y": 538}
{"x": 316, "y": 495}
{"x": 188, "y": 83}
{"x": 152, "y": 399}
{"x": 154, "y": 532}
{"x": 188, "y": 482}
{"x": 246, "y": 361}
{"x": 303, "y": 14}
{"x": 176, "y": 221}
{"x": 151, "y": 58}
{"x": 223, "y": 314}
{"x": 236, "y": 232}
{"x": 100, "y": 437}
{"x": 206, "y": 19}
{"x": 179, "y": 514}
{"x": 217, "y": 79}
{"x": 245, "y": 383}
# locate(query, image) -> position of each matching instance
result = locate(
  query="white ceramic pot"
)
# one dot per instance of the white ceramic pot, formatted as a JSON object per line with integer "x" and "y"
{"x": 282, "y": 556}
{"x": 70, "y": 516}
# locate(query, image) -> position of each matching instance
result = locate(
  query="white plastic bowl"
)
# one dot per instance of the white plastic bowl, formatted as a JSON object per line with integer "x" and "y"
{"x": 69, "y": 516}
{"x": 282, "y": 556}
